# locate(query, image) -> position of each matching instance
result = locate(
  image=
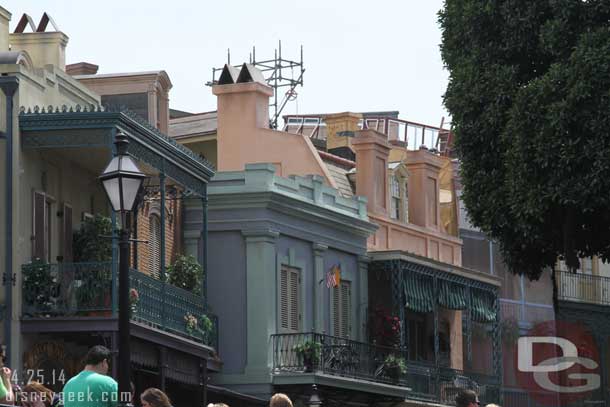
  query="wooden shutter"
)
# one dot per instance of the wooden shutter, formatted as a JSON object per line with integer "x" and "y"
{"x": 342, "y": 310}
{"x": 155, "y": 246}
{"x": 294, "y": 300}
{"x": 289, "y": 293}
{"x": 39, "y": 222}
{"x": 67, "y": 234}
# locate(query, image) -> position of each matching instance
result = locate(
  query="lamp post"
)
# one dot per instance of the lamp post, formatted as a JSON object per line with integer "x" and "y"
{"x": 314, "y": 398}
{"x": 122, "y": 181}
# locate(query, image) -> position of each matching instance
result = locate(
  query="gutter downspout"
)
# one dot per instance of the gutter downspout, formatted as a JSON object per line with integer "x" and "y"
{"x": 9, "y": 85}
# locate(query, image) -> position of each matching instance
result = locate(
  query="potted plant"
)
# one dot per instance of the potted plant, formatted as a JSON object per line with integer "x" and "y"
{"x": 186, "y": 273}
{"x": 134, "y": 298}
{"x": 39, "y": 287}
{"x": 93, "y": 282}
{"x": 309, "y": 351}
{"x": 394, "y": 367}
{"x": 202, "y": 326}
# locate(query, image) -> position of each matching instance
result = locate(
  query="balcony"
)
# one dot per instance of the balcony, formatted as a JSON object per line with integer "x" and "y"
{"x": 82, "y": 290}
{"x": 585, "y": 288}
{"x": 347, "y": 359}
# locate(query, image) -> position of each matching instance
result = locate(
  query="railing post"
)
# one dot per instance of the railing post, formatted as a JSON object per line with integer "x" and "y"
{"x": 162, "y": 276}
{"x": 115, "y": 244}
{"x": 204, "y": 244}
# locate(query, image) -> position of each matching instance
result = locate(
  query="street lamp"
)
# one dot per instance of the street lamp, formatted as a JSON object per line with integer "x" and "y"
{"x": 122, "y": 181}
{"x": 314, "y": 398}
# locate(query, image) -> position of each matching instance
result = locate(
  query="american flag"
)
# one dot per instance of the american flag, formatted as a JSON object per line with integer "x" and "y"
{"x": 332, "y": 277}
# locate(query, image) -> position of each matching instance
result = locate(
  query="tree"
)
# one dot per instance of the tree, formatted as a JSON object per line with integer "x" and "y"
{"x": 529, "y": 96}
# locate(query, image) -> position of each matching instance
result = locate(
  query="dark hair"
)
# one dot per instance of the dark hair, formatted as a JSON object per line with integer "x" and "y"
{"x": 465, "y": 397}
{"x": 97, "y": 354}
{"x": 156, "y": 398}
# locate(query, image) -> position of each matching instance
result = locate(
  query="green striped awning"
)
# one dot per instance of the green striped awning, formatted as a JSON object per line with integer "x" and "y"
{"x": 419, "y": 293}
{"x": 483, "y": 306}
{"x": 452, "y": 295}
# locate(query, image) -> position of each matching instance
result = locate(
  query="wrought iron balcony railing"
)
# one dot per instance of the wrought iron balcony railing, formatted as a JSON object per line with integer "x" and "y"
{"x": 313, "y": 353}
{"x": 586, "y": 288}
{"x": 86, "y": 290}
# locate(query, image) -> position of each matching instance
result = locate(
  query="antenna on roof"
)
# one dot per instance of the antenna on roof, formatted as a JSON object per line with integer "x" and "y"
{"x": 274, "y": 73}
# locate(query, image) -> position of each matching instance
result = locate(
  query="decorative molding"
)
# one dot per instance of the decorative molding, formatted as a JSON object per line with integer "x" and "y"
{"x": 260, "y": 235}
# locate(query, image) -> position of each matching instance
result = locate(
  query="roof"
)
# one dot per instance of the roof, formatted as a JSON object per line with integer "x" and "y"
{"x": 118, "y": 75}
{"x": 193, "y": 125}
{"x": 339, "y": 168}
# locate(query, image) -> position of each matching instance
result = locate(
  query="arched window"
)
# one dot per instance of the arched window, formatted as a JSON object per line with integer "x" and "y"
{"x": 155, "y": 246}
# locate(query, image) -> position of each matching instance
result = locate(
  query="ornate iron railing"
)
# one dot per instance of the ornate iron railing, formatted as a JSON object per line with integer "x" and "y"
{"x": 168, "y": 307}
{"x": 312, "y": 353}
{"x": 85, "y": 290}
{"x": 587, "y": 288}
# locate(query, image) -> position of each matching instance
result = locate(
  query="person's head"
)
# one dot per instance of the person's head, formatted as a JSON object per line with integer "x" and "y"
{"x": 467, "y": 398}
{"x": 98, "y": 359}
{"x": 153, "y": 397}
{"x": 280, "y": 400}
{"x": 35, "y": 394}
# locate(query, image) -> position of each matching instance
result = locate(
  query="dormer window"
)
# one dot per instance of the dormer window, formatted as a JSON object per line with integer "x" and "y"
{"x": 395, "y": 198}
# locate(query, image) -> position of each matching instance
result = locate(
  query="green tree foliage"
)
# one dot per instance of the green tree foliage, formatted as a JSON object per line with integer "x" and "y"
{"x": 529, "y": 95}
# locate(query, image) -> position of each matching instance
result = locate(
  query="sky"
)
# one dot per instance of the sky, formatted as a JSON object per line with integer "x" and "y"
{"x": 359, "y": 55}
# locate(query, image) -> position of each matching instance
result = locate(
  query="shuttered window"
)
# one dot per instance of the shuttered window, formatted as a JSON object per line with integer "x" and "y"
{"x": 290, "y": 301}
{"x": 155, "y": 246}
{"x": 342, "y": 309}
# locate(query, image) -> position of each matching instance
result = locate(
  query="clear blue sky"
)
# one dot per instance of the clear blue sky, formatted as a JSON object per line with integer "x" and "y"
{"x": 359, "y": 55}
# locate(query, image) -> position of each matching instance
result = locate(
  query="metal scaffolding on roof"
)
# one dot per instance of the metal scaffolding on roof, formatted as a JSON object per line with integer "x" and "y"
{"x": 279, "y": 73}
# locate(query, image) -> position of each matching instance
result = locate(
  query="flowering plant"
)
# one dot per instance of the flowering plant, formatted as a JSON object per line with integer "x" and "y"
{"x": 191, "y": 322}
{"x": 384, "y": 328}
{"x": 134, "y": 298}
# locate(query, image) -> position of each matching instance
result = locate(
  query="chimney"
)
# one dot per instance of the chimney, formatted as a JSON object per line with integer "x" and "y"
{"x": 372, "y": 151}
{"x": 243, "y": 107}
{"x": 81, "y": 68}
{"x": 44, "y": 47}
{"x": 340, "y": 130}
{"x": 5, "y": 18}
{"x": 424, "y": 171}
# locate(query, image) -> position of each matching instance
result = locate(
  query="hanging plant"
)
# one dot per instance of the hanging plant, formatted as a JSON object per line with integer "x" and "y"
{"x": 186, "y": 273}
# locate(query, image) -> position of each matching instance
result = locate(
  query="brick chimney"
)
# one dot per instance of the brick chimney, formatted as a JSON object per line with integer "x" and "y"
{"x": 340, "y": 130}
{"x": 424, "y": 172}
{"x": 5, "y": 18}
{"x": 81, "y": 68}
{"x": 243, "y": 107}
{"x": 372, "y": 151}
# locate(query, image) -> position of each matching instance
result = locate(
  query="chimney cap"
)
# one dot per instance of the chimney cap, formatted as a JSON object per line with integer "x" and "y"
{"x": 228, "y": 76}
{"x": 249, "y": 73}
{"x": 81, "y": 68}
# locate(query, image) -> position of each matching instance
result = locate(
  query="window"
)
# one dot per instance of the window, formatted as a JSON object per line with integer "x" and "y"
{"x": 342, "y": 310}
{"x": 290, "y": 302}
{"x": 155, "y": 246}
{"x": 41, "y": 226}
{"x": 395, "y": 201}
